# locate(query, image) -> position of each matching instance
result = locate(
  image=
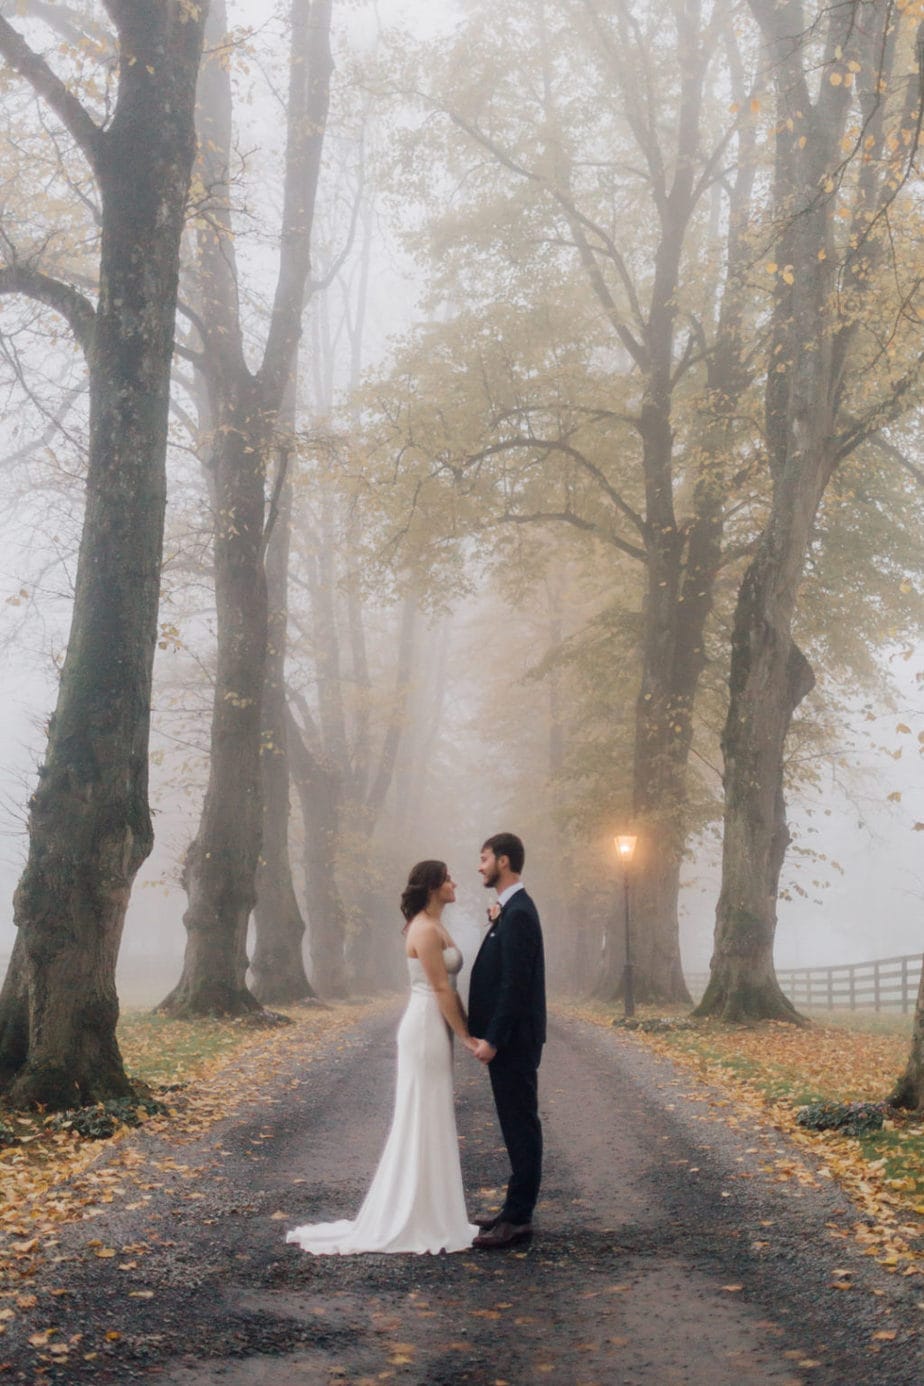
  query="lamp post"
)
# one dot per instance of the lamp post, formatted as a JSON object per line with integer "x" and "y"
{"x": 625, "y": 846}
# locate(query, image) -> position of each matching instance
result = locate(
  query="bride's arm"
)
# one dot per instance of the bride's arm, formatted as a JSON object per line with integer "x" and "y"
{"x": 429, "y": 949}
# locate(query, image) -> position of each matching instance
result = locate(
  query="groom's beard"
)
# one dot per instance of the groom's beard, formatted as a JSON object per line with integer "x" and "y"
{"x": 491, "y": 881}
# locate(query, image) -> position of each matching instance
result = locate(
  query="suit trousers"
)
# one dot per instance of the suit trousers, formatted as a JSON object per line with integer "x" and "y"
{"x": 515, "y": 1084}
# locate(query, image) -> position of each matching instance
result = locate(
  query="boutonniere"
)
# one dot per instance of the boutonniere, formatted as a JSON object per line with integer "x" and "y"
{"x": 493, "y": 913}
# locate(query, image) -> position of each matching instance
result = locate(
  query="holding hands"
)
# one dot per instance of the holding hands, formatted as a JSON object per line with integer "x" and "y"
{"x": 480, "y": 1048}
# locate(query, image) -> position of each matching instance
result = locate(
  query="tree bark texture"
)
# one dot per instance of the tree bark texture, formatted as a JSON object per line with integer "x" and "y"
{"x": 89, "y": 821}
{"x": 14, "y": 1015}
{"x": 909, "y": 1090}
{"x": 319, "y": 793}
{"x": 221, "y": 865}
{"x": 769, "y": 675}
{"x": 220, "y": 869}
{"x": 278, "y": 965}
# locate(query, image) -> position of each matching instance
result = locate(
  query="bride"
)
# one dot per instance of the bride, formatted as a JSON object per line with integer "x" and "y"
{"x": 415, "y": 1201}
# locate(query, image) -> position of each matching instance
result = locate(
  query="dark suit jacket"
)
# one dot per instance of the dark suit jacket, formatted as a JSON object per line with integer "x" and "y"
{"x": 506, "y": 997}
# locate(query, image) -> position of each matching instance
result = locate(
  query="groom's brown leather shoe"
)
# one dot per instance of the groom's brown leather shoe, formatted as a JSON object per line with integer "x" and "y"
{"x": 502, "y": 1235}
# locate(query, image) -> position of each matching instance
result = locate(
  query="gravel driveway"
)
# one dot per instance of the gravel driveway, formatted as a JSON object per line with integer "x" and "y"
{"x": 671, "y": 1248}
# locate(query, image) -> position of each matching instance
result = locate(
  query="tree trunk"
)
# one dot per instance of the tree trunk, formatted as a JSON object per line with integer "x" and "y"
{"x": 278, "y": 965}
{"x": 220, "y": 869}
{"x": 655, "y": 934}
{"x": 319, "y": 797}
{"x": 370, "y": 951}
{"x": 611, "y": 955}
{"x": 909, "y": 1090}
{"x": 769, "y": 676}
{"x": 14, "y": 1015}
{"x": 89, "y": 824}
{"x": 682, "y": 559}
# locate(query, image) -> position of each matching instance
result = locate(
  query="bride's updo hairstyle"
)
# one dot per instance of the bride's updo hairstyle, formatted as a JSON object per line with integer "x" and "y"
{"x": 424, "y": 877}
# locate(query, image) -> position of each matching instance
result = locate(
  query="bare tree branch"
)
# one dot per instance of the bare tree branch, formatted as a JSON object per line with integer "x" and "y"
{"x": 557, "y": 445}
{"x": 566, "y": 517}
{"x": 895, "y": 454}
{"x": 33, "y": 67}
{"x": 54, "y": 293}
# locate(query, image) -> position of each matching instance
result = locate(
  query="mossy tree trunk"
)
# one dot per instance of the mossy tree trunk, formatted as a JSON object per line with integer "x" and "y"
{"x": 89, "y": 821}
{"x": 14, "y": 1015}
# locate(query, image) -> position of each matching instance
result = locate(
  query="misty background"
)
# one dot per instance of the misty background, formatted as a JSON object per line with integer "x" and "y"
{"x": 853, "y": 882}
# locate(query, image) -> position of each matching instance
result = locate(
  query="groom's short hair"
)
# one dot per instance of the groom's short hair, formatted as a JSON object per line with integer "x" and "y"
{"x": 507, "y": 845}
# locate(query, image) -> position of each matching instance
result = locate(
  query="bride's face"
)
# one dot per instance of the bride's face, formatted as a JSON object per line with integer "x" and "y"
{"x": 446, "y": 893}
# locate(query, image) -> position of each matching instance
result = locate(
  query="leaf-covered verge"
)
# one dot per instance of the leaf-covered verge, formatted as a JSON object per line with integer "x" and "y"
{"x": 201, "y": 1070}
{"x": 771, "y": 1071}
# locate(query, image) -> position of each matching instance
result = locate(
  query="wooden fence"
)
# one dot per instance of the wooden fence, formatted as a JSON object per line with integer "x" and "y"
{"x": 888, "y": 984}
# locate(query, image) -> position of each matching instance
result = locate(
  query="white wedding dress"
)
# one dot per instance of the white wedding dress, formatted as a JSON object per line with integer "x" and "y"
{"x": 415, "y": 1201}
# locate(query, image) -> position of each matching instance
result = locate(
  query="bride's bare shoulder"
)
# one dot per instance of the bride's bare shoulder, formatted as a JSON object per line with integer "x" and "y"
{"x": 422, "y": 935}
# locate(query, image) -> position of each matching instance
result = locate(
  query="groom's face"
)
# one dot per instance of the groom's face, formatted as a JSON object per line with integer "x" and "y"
{"x": 489, "y": 868}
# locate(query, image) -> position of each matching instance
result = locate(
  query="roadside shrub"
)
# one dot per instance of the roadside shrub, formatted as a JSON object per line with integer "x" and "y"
{"x": 851, "y": 1118}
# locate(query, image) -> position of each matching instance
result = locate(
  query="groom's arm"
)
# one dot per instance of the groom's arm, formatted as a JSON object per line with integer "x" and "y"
{"x": 519, "y": 939}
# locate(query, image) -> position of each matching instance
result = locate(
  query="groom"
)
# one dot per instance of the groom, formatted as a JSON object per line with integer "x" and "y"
{"x": 506, "y": 1007}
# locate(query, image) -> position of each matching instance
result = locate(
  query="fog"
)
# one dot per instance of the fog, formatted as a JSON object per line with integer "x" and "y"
{"x": 493, "y": 652}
